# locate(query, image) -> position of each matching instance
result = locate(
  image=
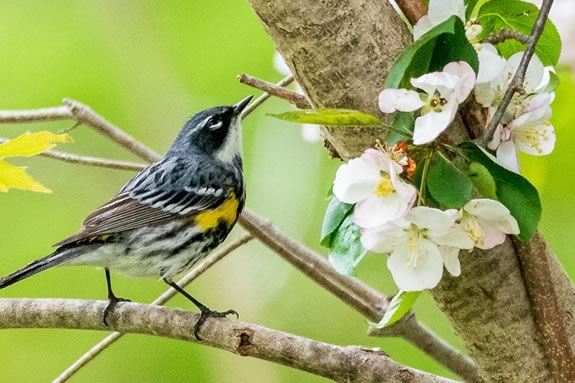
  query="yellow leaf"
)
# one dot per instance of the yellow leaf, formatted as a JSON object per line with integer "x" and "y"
{"x": 30, "y": 144}
{"x": 16, "y": 177}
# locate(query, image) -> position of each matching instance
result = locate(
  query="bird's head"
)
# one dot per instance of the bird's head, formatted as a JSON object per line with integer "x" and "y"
{"x": 215, "y": 131}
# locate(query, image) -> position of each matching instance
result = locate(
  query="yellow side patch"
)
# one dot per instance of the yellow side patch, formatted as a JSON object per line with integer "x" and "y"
{"x": 227, "y": 212}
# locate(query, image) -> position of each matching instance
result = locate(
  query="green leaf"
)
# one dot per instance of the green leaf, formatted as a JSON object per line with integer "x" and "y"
{"x": 482, "y": 180}
{"x": 447, "y": 184}
{"x": 403, "y": 121}
{"x": 512, "y": 190}
{"x": 346, "y": 249}
{"x": 520, "y": 16}
{"x": 400, "y": 305}
{"x": 443, "y": 44}
{"x": 469, "y": 7}
{"x": 334, "y": 215}
{"x": 335, "y": 117}
{"x": 553, "y": 83}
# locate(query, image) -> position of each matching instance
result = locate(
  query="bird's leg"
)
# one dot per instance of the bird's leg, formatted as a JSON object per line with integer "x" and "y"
{"x": 112, "y": 298}
{"x": 205, "y": 312}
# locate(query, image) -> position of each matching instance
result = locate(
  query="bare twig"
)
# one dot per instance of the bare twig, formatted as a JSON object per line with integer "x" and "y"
{"x": 507, "y": 34}
{"x": 208, "y": 262}
{"x": 412, "y": 9}
{"x": 297, "y": 99}
{"x": 350, "y": 364}
{"x": 517, "y": 81}
{"x": 87, "y": 160}
{"x": 44, "y": 114}
{"x": 85, "y": 115}
{"x": 264, "y": 96}
{"x": 533, "y": 256}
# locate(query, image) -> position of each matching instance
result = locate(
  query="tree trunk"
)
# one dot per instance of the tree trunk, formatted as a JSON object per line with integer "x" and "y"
{"x": 340, "y": 52}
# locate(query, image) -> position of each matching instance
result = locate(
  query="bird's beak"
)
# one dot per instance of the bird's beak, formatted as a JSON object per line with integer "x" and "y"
{"x": 240, "y": 106}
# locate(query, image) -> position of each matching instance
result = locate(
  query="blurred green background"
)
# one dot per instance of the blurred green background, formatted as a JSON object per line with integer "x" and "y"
{"x": 147, "y": 66}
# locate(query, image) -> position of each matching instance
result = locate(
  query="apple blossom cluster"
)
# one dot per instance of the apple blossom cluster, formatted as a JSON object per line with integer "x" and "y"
{"x": 420, "y": 240}
{"x": 524, "y": 127}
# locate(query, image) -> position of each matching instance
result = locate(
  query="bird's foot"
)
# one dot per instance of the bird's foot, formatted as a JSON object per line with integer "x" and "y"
{"x": 112, "y": 302}
{"x": 206, "y": 313}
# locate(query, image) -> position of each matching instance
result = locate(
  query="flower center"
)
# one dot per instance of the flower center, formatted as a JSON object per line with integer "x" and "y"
{"x": 414, "y": 236}
{"x": 472, "y": 227}
{"x": 534, "y": 136}
{"x": 436, "y": 102}
{"x": 384, "y": 186}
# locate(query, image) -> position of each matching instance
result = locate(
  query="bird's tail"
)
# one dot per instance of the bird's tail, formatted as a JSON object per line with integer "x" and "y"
{"x": 54, "y": 259}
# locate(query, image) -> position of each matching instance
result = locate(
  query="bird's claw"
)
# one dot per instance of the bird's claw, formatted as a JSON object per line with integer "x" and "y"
{"x": 206, "y": 313}
{"x": 112, "y": 302}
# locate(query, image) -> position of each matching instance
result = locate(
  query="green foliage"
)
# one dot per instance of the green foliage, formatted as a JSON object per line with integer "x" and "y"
{"x": 519, "y": 16}
{"x": 403, "y": 122}
{"x": 443, "y": 44}
{"x": 553, "y": 83}
{"x": 447, "y": 184}
{"x": 469, "y": 7}
{"x": 512, "y": 190}
{"x": 346, "y": 250}
{"x": 400, "y": 305}
{"x": 335, "y": 117}
{"x": 482, "y": 180}
{"x": 334, "y": 215}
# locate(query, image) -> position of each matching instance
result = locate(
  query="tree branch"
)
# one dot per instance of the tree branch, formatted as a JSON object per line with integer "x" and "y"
{"x": 507, "y": 34}
{"x": 295, "y": 98}
{"x": 35, "y": 115}
{"x": 198, "y": 270}
{"x": 412, "y": 9}
{"x": 534, "y": 256}
{"x": 359, "y": 296}
{"x": 265, "y": 96}
{"x": 517, "y": 81}
{"x": 349, "y": 364}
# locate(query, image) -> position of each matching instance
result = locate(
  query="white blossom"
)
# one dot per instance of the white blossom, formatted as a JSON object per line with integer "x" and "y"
{"x": 487, "y": 222}
{"x": 419, "y": 245}
{"x": 439, "y": 11}
{"x": 372, "y": 182}
{"x": 444, "y": 91}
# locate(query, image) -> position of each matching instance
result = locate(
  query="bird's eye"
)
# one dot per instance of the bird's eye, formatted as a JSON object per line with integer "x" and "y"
{"x": 213, "y": 125}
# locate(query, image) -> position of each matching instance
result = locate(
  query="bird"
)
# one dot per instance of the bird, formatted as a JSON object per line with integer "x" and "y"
{"x": 169, "y": 216}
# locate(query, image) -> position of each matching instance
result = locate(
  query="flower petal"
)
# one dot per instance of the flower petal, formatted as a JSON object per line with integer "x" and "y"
{"x": 429, "y": 126}
{"x": 422, "y": 26}
{"x": 391, "y": 100}
{"x": 486, "y": 209}
{"x": 429, "y": 218}
{"x": 376, "y": 211}
{"x": 355, "y": 180}
{"x": 381, "y": 239}
{"x": 536, "y": 140}
{"x": 491, "y": 236}
{"x": 451, "y": 260}
{"x": 466, "y": 78}
{"x": 382, "y": 161}
{"x": 533, "y": 76}
{"x": 443, "y": 82}
{"x": 490, "y": 63}
{"x": 455, "y": 237}
{"x": 416, "y": 268}
{"x": 441, "y": 10}
{"x": 507, "y": 156}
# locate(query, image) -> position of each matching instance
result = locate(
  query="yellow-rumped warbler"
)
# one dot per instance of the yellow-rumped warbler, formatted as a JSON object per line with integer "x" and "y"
{"x": 169, "y": 216}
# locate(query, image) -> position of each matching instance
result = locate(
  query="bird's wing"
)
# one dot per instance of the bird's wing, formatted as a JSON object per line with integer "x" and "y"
{"x": 163, "y": 191}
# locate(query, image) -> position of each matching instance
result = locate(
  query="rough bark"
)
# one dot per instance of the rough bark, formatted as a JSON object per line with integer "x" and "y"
{"x": 343, "y": 364}
{"x": 340, "y": 52}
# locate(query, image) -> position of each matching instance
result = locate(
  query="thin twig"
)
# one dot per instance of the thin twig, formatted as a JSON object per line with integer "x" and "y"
{"x": 517, "y": 81}
{"x": 43, "y": 114}
{"x": 412, "y": 9}
{"x": 87, "y": 116}
{"x": 507, "y": 34}
{"x": 340, "y": 363}
{"x": 264, "y": 96}
{"x": 295, "y": 98}
{"x": 534, "y": 256}
{"x": 208, "y": 262}
{"x": 88, "y": 160}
